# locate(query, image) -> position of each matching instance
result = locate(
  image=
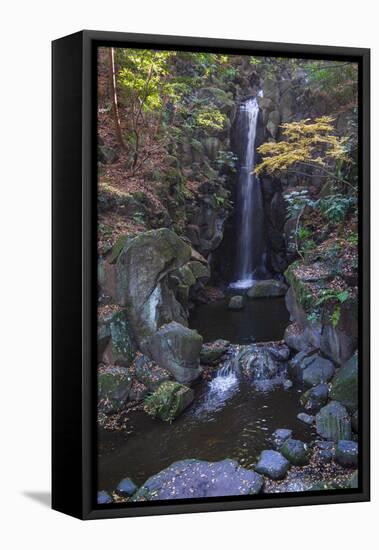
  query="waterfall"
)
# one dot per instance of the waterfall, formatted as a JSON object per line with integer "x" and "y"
{"x": 250, "y": 249}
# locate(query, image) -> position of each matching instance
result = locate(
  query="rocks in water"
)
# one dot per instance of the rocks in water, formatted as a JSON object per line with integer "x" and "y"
{"x": 287, "y": 384}
{"x": 306, "y": 418}
{"x": 212, "y": 352}
{"x": 317, "y": 370}
{"x": 114, "y": 385}
{"x": 177, "y": 349}
{"x": 344, "y": 386}
{"x": 280, "y": 436}
{"x": 267, "y": 289}
{"x": 272, "y": 464}
{"x": 126, "y": 487}
{"x": 149, "y": 373}
{"x": 236, "y": 302}
{"x": 142, "y": 267}
{"x": 296, "y": 365}
{"x": 347, "y": 453}
{"x": 103, "y": 497}
{"x": 259, "y": 365}
{"x": 279, "y": 351}
{"x": 315, "y": 398}
{"x": 200, "y": 479}
{"x": 168, "y": 401}
{"x": 333, "y": 422}
{"x": 295, "y": 451}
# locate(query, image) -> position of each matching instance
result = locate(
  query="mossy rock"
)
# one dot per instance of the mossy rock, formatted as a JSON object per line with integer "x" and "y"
{"x": 168, "y": 401}
{"x": 333, "y": 422}
{"x": 114, "y": 385}
{"x": 295, "y": 451}
{"x": 344, "y": 386}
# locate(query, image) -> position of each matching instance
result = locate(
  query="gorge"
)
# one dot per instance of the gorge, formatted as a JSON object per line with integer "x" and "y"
{"x": 227, "y": 286}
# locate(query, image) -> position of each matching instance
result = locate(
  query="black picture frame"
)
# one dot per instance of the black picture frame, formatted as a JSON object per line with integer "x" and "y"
{"x": 74, "y": 273}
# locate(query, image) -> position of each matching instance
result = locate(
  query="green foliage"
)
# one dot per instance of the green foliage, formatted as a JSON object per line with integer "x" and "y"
{"x": 336, "y": 207}
{"x": 226, "y": 159}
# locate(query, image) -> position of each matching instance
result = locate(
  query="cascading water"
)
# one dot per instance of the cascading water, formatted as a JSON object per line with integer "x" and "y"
{"x": 250, "y": 251}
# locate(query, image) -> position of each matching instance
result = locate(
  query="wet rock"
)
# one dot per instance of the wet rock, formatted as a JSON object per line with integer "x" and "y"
{"x": 114, "y": 384}
{"x": 103, "y": 497}
{"x": 344, "y": 386}
{"x": 315, "y": 398}
{"x": 287, "y": 384}
{"x": 199, "y": 479}
{"x": 258, "y": 364}
{"x": 142, "y": 268}
{"x": 333, "y": 422}
{"x": 149, "y": 374}
{"x": 212, "y": 352}
{"x": 272, "y": 464}
{"x": 317, "y": 370}
{"x": 168, "y": 401}
{"x": 347, "y": 453}
{"x": 280, "y": 436}
{"x": 126, "y": 487}
{"x": 236, "y": 302}
{"x": 267, "y": 289}
{"x": 295, "y": 451}
{"x": 177, "y": 349}
{"x": 264, "y": 386}
{"x": 297, "y": 364}
{"x": 279, "y": 352}
{"x": 306, "y": 418}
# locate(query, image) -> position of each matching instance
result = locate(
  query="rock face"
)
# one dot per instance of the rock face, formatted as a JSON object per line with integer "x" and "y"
{"x": 344, "y": 387}
{"x": 177, "y": 349}
{"x": 142, "y": 268}
{"x": 149, "y": 374}
{"x": 212, "y": 352}
{"x": 272, "y": 464}
{"x": 295, "y": 451}
{"x": 338, "y": 342}
{"x": 114, "y": 384}
{"x": 267, "y": 289}
{"x": 333, "y": 422}
{"x": 199, "y": 479}
{"x": 347, "y": 453}
{"x": 168, "y": 401}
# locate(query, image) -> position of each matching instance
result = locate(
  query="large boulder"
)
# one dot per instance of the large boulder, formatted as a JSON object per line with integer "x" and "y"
{"x": 272, "y": 464}
{"x": 200, "y": 479}
{"x": 333, "y": 422}
{"x": 168, "y": 401}
{"x": 344, "y": 386}
{"x": 177, "y": 349}
{"x": 114, "y": 384}
{"x": 267, "y": 289}
{"x": 142, "y": 269}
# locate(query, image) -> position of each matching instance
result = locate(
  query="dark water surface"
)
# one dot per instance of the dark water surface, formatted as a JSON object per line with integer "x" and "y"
{"x": 261, "y": 320}
{"x": 228, "y": 419}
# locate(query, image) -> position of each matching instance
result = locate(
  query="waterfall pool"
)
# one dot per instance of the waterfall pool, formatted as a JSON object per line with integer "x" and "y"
{"x": 261, "y": 320}
{"x": 228, "y": 419}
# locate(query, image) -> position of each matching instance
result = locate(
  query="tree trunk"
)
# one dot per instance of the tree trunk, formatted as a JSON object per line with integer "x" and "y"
{"x": 116, "y": 116}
